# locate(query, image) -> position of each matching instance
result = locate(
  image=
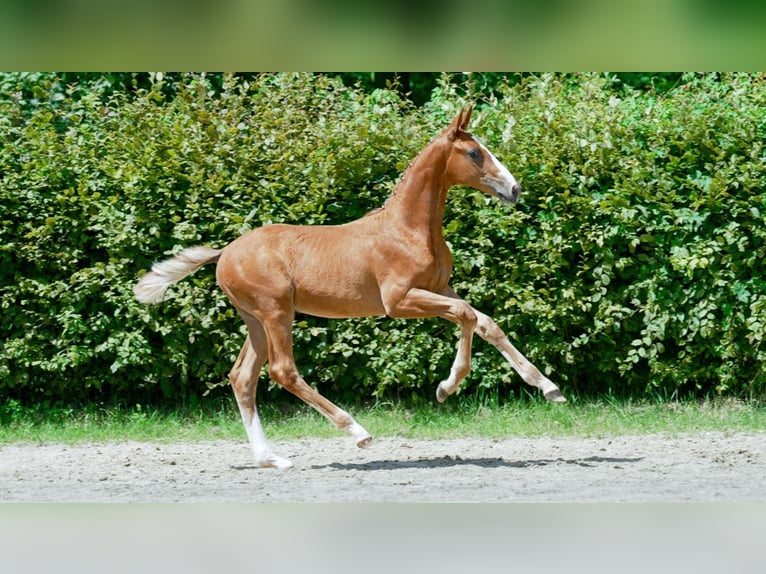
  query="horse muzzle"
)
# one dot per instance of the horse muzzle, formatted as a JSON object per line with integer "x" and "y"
{"x": 507, "y": 192}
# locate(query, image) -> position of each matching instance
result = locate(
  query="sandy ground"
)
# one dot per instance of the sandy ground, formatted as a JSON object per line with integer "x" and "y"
{"x": 708, "y": 467}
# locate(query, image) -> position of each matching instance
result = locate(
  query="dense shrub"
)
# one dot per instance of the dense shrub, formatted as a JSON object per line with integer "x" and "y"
{"x": 634, "y": 262}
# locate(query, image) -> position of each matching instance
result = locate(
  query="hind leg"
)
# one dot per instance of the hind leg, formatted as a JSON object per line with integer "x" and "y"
{"x": 283, "y": 371}
{"x": 244, "y": 382}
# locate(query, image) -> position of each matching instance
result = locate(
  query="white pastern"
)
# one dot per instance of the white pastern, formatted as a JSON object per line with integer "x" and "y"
{"x": 264, "y": 456}
{"x": 450, "y": 384}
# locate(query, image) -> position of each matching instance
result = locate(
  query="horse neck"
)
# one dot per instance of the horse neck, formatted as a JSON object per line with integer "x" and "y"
{"x": 417, "y": 203}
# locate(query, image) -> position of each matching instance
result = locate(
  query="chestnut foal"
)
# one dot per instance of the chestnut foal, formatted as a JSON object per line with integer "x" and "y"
{"x": 394, "y": 261}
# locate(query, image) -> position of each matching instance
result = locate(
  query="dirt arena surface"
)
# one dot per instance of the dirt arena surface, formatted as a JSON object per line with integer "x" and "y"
{"x": 706, "y": 467}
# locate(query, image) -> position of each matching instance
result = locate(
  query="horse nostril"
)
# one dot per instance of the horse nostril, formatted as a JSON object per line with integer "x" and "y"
{"x": 516, "y": 190}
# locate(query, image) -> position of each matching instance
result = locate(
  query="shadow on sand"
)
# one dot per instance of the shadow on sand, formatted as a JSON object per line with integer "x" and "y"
{"x": 450, "y": 461}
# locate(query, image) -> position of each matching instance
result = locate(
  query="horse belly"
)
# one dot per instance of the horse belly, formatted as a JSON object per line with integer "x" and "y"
{"x": 336, "y": 292}
{"x": 338, "y": 299}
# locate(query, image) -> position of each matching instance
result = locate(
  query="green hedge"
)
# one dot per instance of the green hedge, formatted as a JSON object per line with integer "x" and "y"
{"x": 634, "y": 263}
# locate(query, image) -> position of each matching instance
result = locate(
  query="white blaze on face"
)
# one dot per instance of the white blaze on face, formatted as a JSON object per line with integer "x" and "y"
{"x": 502, "y": 181}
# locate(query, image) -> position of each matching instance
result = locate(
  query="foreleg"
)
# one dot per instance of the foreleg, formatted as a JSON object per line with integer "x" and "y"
{"x": 419, "y": 303}
{"x": 488, "y": 330}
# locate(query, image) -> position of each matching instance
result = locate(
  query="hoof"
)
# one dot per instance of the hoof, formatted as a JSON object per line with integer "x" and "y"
{"x": 441, "y": 394}
{"x": 274, "y": 462}
{"x": 364, "y": 442}
{"x": 555, "y": 396}
{"x": 360, "y": 435}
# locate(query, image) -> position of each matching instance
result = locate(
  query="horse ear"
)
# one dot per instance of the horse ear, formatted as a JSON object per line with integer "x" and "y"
{"x": 460, "y": 123}
{"x": 466, "y": 118}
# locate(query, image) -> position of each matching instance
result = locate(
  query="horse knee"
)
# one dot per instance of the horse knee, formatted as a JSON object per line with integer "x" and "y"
{"x": 465, "y": 315}
{"x": 488, "y": 330}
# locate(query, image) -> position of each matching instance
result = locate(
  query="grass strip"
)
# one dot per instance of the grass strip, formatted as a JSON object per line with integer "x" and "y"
{"x": 464, "y": 417}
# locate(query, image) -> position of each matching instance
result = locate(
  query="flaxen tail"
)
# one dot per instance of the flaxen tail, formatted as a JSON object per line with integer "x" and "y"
{"x": 152, "y": 286}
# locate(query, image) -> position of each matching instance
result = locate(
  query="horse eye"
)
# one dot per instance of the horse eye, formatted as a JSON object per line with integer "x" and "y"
{"x": 473, "y": 153}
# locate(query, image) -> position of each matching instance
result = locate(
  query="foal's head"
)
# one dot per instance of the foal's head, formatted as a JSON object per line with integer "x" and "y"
{"x": 471, "y": 163}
